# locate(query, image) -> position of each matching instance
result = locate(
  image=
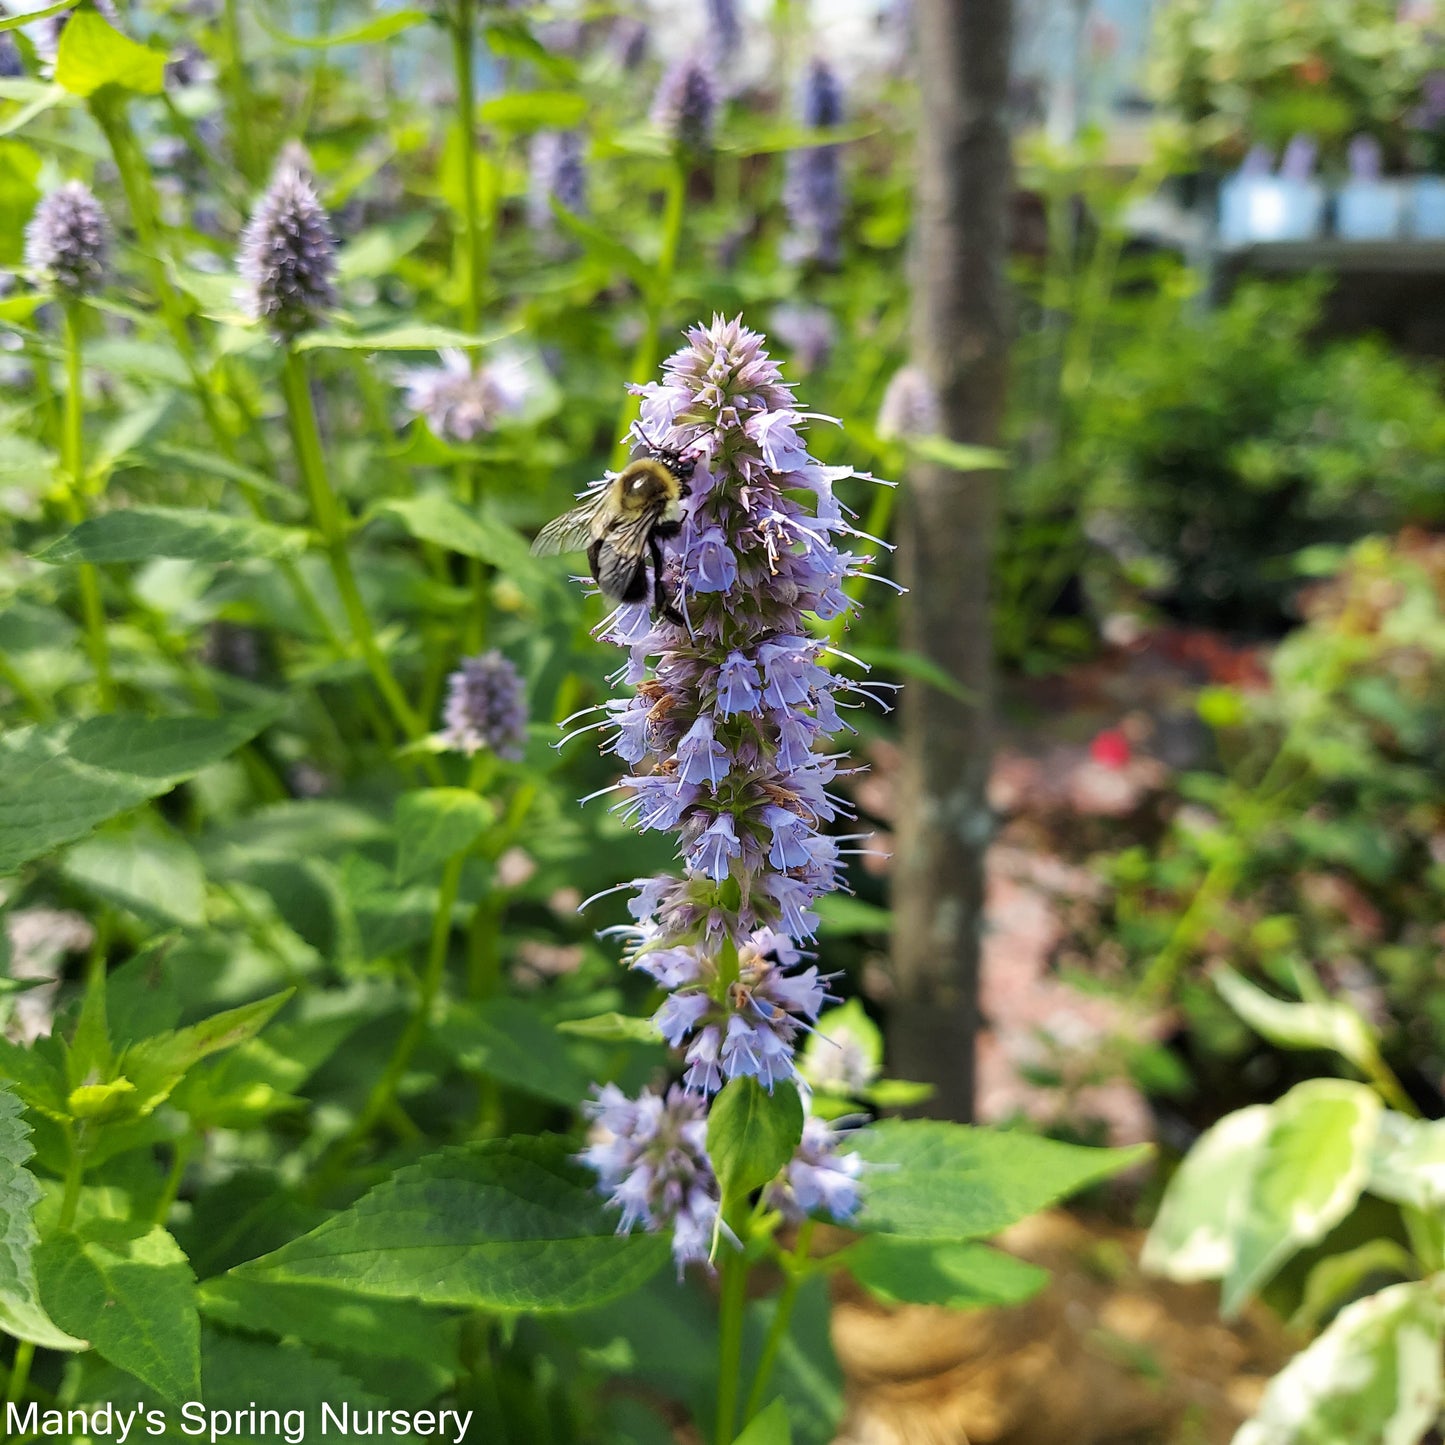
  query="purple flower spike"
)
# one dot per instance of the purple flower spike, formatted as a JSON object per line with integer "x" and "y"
{"x": 68, "y": 240}
{"x": 650, "y": 1154}
{"x": 486, "y": 707}
{"x": 726, "y": 737}
{"x": 685, "y": 107}
{"x": 819, "y": 1179}
{"x": 813, "y": 187}
{"x": 288, "y": 252}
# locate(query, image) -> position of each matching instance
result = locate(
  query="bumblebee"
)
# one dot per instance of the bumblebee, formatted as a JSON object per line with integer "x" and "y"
{"x": 622, "y": 524}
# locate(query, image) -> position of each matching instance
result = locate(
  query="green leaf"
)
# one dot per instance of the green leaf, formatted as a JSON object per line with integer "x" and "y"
{"x": 395, "y": 338}
{"x": 1193, "y": 1236}
{"x": 534, "y": 110}
{"x": 141, "y": 534}
{"x": 146, "y": 868}
{"x": 334, "y": 1319}
{"x": 14, "y": 22}
{"x": 1339, "y": 1276}
{"x": 918, "y": 667}
{"x": 134, "y": 1296}
{"x": 436, "y": 517}
{"x": 508, "y": 1040}
{"x": 41, "y": 99}
{"x": 768, "y": 1427}
{"x": 382, "y": 28}
{"x": 156, "y": 1065}
{"x": 21, "y": 1313}
{"x": 1307, "y": 1176}
{"x": 92, "y": 56}
{"x": 1408, "y": 1164}
{"x": 376, "y": 251}
{"x": 941, "y": 1272}
{"x": 932, "y": 1180}
{"x": 751, "y": 1134}
{"x": 1321, "y": 1024}
{"x": 433, "y": 825}
{"x": 1374, "y": 1375}
{"x": 505, "y": 1224}
{"x": 840, "y": 916}
{"x": 612, "y": 1028}
{"x": 897, "y": 1093}
{"x": 59, "y": 781}
{"x": 957, "y": 456}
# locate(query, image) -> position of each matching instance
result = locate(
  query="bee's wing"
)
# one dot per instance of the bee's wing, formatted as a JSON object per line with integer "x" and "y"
{"x": 573, "y": 531}
{"x": 628, "y": 533}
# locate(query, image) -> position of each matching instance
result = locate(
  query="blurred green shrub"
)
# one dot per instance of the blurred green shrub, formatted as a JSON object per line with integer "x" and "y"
{"x": 1214, "y": 446}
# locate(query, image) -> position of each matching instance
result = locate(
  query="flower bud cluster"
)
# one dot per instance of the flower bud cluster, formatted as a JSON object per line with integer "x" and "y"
{"x": 288, "y": 254}
{"x": 68, "y": 240}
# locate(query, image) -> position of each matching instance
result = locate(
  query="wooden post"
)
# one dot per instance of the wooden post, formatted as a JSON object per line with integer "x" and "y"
{"x": 960, "y": 340}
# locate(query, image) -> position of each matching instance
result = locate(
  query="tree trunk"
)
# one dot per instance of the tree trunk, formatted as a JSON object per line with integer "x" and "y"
{"x": 960, "y": 341}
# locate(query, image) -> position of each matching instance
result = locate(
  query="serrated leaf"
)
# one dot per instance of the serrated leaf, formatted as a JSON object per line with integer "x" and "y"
{"x": 35, "y": 1076}
{"x": 941, "y": 1272}
{"x": 505, "y": 1224}
{"x": 141, "y": 534}
{"x": 1322, "y": 1024}
{"x": 1308, "y": 1175}
{"x": 134, "y": 1296}
{"x": 59, "y": 781}
{"x": 93, "y": 55}
{"x": 156, "y": 1065}
{"x": 21, "y": 1313}
{"x": 508, "y": 1040}
{"x": 433, "y": 825}
{"x": 751, "y": 1134}
{"x": 1374, "y": 1375}
{"x": 768, "y": 1427}
{"x": 933, "y": 1180}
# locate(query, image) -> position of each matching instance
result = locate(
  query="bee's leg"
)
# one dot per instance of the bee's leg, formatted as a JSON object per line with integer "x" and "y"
{"x": 661, "y": 600}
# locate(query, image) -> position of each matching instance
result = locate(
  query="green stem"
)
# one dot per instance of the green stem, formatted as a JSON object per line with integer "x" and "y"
{"x": 1219, "y": 880}
{"x": 20, "y": 1372}
{"x": 796, "y": 1265}
{"x": 384, "y": 1093}
{"x": 469, "y": 239}
{"x": 734, "y": 1298}
{"x": 473, "y": 244}
{"x": 73, "y": 456}
{"x": 644, "y": 360}
{"x": 140, "y": 200}
{"x": 74, "y": 1173}
{"x": 234, "y": 70}
{"x": 180, "y": 1157}
{"x": 327, "y": 516}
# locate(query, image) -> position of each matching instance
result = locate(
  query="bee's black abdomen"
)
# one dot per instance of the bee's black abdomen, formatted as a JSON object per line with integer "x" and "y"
{"x": 622, "y": 578}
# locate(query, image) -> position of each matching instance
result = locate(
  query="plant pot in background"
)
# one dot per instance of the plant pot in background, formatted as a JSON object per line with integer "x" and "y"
{"x": 1369, "y": 210}
{"x": 1427, "y": 208}
{"x": 1269, "y": 208}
